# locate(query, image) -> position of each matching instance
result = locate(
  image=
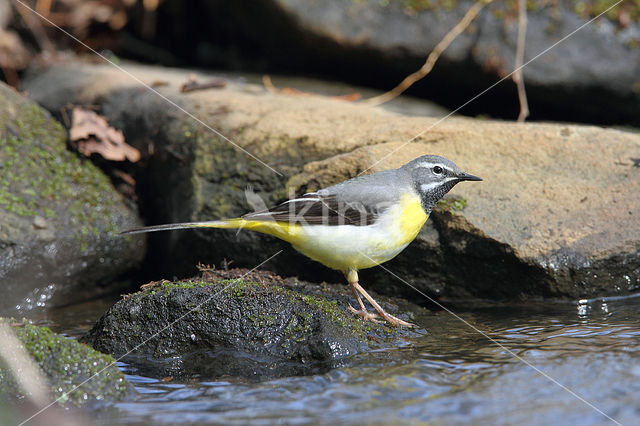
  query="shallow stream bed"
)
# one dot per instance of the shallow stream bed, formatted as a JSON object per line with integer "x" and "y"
{"x": 558, "y": 363}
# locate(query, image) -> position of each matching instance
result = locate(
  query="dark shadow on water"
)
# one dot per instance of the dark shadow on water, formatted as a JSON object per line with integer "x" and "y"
{"x": 224, "y": 365}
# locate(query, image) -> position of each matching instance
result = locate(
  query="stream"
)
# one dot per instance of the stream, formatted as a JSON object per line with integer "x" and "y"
{"x": 558, "y": 362}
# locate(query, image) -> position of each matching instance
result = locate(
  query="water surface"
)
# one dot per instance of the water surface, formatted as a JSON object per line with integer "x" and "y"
{"x": 553, "y": 355}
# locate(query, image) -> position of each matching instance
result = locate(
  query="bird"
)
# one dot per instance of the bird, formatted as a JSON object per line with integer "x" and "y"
{"x": 356, "y": 224}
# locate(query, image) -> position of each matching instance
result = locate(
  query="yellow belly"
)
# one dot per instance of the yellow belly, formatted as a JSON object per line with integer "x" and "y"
{"x": 346, "y": 247}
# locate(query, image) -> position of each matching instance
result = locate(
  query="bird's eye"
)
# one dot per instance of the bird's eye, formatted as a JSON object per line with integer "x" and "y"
{"x": 437, "y": 170}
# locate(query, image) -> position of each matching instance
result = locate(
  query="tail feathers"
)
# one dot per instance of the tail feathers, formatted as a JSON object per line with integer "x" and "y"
{"x": 230, "y": 223}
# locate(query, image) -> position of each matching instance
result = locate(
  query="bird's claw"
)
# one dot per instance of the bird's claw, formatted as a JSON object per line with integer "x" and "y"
{"x": 396, "y": 321}
{"x": 367, "y": 316}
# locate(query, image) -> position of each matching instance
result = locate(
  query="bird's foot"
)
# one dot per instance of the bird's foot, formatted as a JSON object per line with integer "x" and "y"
{"x": 357, "y": 288}
{"x": 367, "y": 316}
{"x": 395, "y": 321}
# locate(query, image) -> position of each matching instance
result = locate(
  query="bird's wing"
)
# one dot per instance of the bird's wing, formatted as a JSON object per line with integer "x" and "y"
{"x": 358, "y": 201}
{"x": 317, "y": 209}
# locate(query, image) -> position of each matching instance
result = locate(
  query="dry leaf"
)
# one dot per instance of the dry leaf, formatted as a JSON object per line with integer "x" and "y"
{"x": 92, "y": 134}
{"x": 192, "y": 85}
{"x": 159, "y": 83}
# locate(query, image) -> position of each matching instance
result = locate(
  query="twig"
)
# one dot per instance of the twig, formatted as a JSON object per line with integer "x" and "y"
{"x": 268, "y": 84}
{"x": 10, "y": 73}
{"x": 43, "y": 7}
{"x": 193, "y": 85}
{"x": 432, "y": 58}
{"x": 517, "y": 75}
{"x": 36, "y": 27}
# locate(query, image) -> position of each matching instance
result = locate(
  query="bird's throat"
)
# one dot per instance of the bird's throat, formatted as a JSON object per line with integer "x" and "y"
{"x": 412, "y": 217}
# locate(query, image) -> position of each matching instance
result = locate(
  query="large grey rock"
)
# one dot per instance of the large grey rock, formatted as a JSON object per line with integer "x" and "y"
{"x": 557, "y": 214}
{"x": 590, "y": 77}
{"x": 58, "y": 214}
{"x": 594, "y": 73}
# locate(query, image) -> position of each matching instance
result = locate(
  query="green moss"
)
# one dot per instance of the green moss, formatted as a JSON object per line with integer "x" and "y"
{"x": 415, "y": 6}
{"x": 230, "y": 286}
{"x": 185, "y": 284}
{"x": 261, "y": 320}
{"x": 452, "y": 204}
{"x": 592, "y": 8}
{"x": 218, "y": 172}
{"x": 39, "y": 176}
{"x": 68, "y": 365}
{"x": 239, "y": 288}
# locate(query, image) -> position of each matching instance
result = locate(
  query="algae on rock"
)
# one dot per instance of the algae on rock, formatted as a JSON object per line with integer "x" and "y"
{"x": 238, "y": 327}
{"x": 75, "y": 373}
{"x": 58, "y": 214}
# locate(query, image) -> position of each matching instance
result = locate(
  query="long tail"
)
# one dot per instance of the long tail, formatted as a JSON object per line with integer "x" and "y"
{"x": 282, "y": 230}
{"x": 229, "y": 223}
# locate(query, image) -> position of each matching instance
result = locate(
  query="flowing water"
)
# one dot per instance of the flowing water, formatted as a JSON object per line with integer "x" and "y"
{"x": 559, "y": 363}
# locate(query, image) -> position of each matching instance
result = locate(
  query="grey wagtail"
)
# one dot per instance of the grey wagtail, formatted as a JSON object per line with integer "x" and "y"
{"x": 356, "y": 224}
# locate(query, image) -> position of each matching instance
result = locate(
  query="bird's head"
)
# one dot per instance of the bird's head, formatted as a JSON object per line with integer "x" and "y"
{"x": 433, "y": 176}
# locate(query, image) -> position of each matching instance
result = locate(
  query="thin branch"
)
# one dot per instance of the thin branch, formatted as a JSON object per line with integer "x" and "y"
{"x": 268, "y": 84}
{"x": 432, "y": 58}
{"x": 43, "y": 7}
{"x": 35, "y": 26}
{"x": 10, "y": 73}
{"x": 518, "y": 79}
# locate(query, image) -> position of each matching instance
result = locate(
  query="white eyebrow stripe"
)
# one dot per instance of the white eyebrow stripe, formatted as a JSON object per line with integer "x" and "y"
{"x": 428, "y": 165}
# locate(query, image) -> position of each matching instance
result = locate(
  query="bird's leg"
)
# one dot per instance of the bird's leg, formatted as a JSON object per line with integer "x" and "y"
{"x": 352, "y": 277}
{"x": 366, "y": 315}
{"x": 390, "y": 318}
{"x": 355, "y": 292}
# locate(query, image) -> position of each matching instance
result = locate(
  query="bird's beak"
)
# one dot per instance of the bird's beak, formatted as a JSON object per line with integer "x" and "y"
{"x": 466, "y": 176}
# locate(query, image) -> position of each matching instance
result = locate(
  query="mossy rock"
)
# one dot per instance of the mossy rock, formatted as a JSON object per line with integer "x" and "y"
{"x": 238, "y": 327}
{"x": 76, "y": 373}
{"x": 58, "y": 213}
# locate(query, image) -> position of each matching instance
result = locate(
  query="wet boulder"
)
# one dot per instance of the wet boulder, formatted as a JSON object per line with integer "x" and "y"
{"x": 58, "y": 215}
{"x": 238, "y": 323}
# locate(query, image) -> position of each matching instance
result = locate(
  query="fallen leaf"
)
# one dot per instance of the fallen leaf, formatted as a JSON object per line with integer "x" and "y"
{"x": 159, "y": 83}
{"x": 192, "y": 85}
{"x": 92, "y": 134}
